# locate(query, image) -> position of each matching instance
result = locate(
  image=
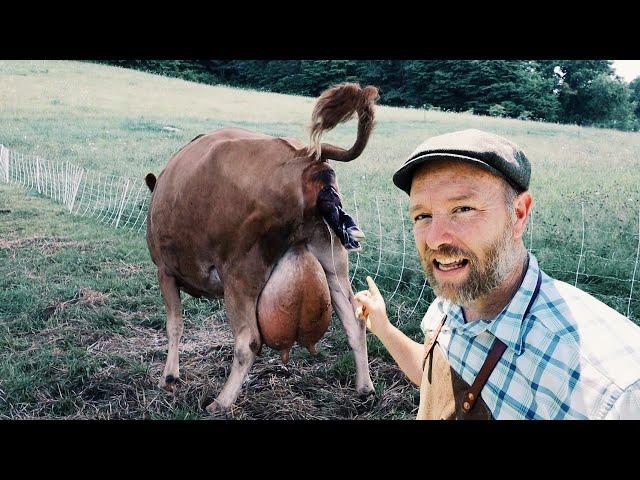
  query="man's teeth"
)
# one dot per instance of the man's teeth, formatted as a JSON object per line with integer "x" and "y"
{"x": 450, "y": 264}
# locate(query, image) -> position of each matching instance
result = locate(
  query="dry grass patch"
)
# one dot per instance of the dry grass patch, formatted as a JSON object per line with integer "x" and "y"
{"x": 46, "y": 245}
{"x": 84, "y": 296}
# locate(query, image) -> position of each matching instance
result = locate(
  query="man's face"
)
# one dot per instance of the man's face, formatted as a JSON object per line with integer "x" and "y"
{"x": 464, "y": 232}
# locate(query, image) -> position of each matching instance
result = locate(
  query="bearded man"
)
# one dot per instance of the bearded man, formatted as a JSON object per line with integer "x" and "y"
{"x": 503, "y": 340}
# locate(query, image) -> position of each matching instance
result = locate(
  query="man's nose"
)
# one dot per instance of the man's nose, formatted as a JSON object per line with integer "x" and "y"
{"x": 439, "y": 232}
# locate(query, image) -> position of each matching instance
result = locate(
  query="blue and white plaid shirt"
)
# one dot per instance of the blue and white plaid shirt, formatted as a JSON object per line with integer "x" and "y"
{"x": 572, "y": 357}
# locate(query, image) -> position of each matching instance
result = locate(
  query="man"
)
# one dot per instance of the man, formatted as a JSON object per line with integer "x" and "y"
{"x": 503, "y": 339}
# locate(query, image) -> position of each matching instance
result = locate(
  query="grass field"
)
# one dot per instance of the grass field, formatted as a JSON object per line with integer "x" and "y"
{"x": 81, "y": 317}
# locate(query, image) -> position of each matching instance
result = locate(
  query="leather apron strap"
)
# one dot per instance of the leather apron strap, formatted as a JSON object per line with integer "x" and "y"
{"x": 472, "y": 394}
{"x": 433, "y": 341}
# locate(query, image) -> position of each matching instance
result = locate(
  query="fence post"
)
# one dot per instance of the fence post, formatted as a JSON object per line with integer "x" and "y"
{"x": 65, "y": 198}
{"x": 581, "y": 248}
{"x": 355, "y": 269}
{"x": 4, "y": 160}
{"x": 38, "y": 175}
{"x": 404, "y": 243}
{"x": 375, "y": 276}
{"x": 124, "y": 196}
{"x": 76, "y": 186}
{"x": 633, "y": 278}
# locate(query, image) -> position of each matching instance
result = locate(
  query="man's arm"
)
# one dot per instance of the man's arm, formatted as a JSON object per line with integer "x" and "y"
{"x": 407, "y": 353}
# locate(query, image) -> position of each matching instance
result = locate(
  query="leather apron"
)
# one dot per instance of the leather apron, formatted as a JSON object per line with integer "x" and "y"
{"x": 444, "y": 395}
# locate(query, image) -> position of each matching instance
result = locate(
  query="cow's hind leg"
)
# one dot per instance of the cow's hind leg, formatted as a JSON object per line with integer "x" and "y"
{"x": 241, "y": 312}
{"x": 335, "y": 262}
{"x": 355, "y": 329}
{"x": 171, "y": 296}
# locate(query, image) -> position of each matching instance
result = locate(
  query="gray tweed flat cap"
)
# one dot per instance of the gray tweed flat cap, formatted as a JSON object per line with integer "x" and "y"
{"x": 489, "y": 151}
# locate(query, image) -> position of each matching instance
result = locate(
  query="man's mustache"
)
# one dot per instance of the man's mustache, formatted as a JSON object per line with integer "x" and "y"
{"x": 448, "y": 251}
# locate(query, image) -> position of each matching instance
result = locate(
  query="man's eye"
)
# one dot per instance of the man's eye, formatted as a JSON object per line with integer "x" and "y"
{"x": 422, "y": 216}
{"x": 462, "y": 209}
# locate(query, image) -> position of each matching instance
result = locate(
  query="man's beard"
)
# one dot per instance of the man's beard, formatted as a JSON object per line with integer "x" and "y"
{"x": 501, "y": 258}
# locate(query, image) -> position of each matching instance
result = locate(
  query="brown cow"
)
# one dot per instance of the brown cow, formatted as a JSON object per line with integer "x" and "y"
{"x": 227, "y": 208}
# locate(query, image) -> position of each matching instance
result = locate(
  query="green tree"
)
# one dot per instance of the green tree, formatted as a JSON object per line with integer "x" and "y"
{"x": 634, "y": 87}
{"x": 607, "y": 103}
{"x": 460, "y": 85}
{"x": 575, "y": 77}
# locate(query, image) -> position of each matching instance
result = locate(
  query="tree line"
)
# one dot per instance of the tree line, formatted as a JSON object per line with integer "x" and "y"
{"x": 583, "y": 92}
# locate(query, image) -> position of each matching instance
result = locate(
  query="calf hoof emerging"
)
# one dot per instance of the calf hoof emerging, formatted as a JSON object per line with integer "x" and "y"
{"x": 169, "y": 383}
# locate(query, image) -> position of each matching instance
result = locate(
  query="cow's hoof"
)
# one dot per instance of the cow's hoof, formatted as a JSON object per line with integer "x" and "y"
{"x": 169, "y": 383}
{"x": 218, "y": 411}
{"x": 366, "y": 391}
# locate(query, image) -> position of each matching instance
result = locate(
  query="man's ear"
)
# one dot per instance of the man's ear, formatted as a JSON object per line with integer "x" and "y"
{"x": 523, "y": 204}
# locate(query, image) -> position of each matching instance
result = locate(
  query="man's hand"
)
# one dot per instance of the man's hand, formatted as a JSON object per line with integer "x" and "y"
{"x": 371, "y": 308}
{"x": 407, "y": 353}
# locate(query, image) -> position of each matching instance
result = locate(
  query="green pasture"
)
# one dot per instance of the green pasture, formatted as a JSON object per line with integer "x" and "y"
{"x": 81, "y": 317}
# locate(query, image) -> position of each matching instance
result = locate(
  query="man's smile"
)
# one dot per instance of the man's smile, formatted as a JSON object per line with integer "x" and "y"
{"x": 450, "y": 264}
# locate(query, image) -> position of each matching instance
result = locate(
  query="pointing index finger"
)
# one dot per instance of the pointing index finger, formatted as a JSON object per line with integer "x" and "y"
{"x": 372, "y": 286}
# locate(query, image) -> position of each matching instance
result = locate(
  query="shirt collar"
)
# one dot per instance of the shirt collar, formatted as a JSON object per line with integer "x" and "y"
{"x": 509, "y": 324}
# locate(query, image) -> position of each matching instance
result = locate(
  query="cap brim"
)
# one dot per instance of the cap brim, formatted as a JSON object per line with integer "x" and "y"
{"x": 404, "y": 175}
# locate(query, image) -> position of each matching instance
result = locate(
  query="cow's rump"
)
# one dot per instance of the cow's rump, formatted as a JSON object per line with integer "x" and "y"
{"x": 226, "y": 182}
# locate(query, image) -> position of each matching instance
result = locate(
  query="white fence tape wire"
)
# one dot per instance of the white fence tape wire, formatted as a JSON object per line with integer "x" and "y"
{"x": 119, "y": 202}
{"x": 355, "y": 268}
{"x": 122, "y": 203}
{"x": 635, "y": 268}
{"x": 581, "y": 249}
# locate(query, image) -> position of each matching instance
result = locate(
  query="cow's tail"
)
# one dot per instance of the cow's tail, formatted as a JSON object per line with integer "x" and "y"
{"x": 336, "y": 105}
{"x": 150, "y": 180}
